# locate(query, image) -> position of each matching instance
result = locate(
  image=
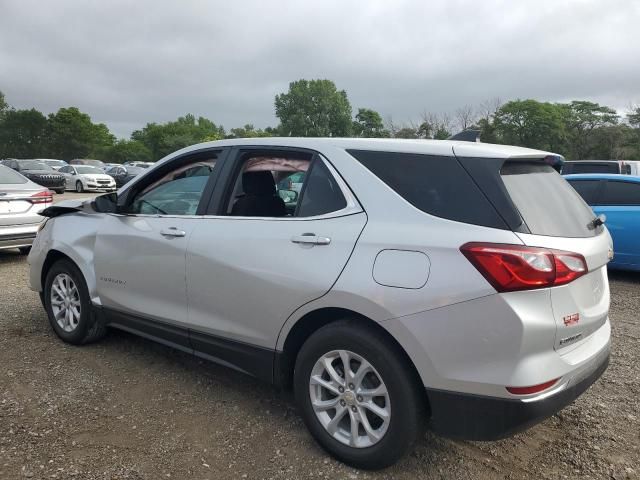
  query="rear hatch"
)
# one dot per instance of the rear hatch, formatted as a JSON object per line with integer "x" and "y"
{"x": 546, "y": 212}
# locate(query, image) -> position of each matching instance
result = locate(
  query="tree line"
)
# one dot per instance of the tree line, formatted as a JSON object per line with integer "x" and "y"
{"x": 317, "y": 108}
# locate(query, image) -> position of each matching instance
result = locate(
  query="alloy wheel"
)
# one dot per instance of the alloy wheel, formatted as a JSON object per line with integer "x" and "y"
{"x": 350, "y": 398}
{"x": 65, "y": 302}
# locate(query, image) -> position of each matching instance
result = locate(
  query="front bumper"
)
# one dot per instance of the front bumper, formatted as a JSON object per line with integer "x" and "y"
{"x": 477, "y": 417}
{"x": 98, "y": 187}
{"x": 55, "y": 183}
{"x": 18, "y": 236}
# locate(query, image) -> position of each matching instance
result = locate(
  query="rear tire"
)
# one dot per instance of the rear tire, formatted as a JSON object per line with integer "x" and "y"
{"x": 79, "y": 187}
{"x": 24, "y": 250}
{"x": 375, "y": 444}
{"x": 68, "y": 305}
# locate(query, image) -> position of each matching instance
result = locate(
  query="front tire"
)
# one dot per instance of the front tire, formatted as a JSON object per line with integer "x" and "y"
{"x": 68, "y": 305}
{"x": 60, "y": 191}
{"x": 79, "y": 187}
{"x": 358, "y": 396}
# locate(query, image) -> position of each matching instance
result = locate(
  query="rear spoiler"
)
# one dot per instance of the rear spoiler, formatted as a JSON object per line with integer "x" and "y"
{"x": 467, "y": 135}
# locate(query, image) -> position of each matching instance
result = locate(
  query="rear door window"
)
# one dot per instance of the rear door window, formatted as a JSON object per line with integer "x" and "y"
{"x": 547, "y": 203}
{"x": 588, "y": 189}
{"x": 621, "y": 193}
{"x": 436, "y": 185}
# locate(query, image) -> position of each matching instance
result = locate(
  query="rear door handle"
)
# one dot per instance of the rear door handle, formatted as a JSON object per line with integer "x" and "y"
{"x": 311, "y": 239}
{"x": 173, "y": 232}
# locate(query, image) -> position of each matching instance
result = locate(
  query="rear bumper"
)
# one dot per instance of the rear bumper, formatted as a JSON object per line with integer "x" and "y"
{"x": 18, "y": 236}
{"x": 476, "y": 417}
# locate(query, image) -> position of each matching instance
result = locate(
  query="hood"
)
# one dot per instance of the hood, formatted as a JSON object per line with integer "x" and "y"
{"x": 68, "y": 206}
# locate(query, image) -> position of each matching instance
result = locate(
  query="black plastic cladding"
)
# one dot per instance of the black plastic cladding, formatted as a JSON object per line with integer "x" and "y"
{"x": 486, "y": 173}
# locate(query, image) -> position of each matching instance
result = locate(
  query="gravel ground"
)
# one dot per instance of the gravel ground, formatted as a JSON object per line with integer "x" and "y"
{"x": 126, "y": 408}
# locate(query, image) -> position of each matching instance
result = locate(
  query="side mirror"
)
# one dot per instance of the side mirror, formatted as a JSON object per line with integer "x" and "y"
{"x": 107, "y": 203}
{"x": 288, "y": 196}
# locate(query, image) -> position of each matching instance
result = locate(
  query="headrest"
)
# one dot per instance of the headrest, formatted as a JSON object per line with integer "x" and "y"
{"x": 258, "y": 183}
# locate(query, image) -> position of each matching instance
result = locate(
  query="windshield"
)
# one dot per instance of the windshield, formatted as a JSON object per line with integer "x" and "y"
{"x": 57, "y": 163}
{"x": 83, "y": 169}
{"x": 134, "y": 170}
{"x": 547, "y": 203}
{"x": 10, "y": 177}
{"x": 33, "y": 165}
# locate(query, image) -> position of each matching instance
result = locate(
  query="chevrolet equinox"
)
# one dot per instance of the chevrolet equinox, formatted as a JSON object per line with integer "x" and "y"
{"x": 402, "y": 284}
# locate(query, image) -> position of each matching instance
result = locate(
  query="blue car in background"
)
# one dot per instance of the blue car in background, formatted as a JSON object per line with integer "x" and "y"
{"x": 618, "y": 197}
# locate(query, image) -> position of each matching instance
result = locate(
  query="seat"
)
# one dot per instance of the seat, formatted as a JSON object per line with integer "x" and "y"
{"x": 260, "y": 198}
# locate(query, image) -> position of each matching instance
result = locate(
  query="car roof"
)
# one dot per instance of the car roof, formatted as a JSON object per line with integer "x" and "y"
{"x": 429, "y": 147}
{"x": 603, "y": 176}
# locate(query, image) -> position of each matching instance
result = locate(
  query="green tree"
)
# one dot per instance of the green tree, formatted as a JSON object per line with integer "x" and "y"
{"x": 249, "y": 131}
{"x": 23, "y": 134}
{"x": 163, "y": 139}
{"x": 72, "y": 134}
{"x": 3, "y": 104}
{"x": 127, "y": 151}
{"x": 406, "y": 132}
{"x": 368, "y": 124}
{"x": 582, "y": 119}
{"x": 633, "y": 117}
{"x": 314, "y": 108}
{"x": 530, "y": 123}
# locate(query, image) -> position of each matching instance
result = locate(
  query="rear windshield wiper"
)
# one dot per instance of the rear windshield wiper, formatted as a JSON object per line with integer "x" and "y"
{"x": 596, "y": 222}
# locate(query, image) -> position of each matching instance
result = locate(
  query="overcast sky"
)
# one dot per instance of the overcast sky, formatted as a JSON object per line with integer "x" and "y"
{"x": 131, "y": 62}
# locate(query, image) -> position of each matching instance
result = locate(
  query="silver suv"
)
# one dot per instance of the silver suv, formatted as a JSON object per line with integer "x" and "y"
{"x": 408, "y": 283}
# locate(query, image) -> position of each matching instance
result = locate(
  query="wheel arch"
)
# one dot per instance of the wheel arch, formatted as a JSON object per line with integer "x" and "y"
{"x": 55, "y": 255}
{"x": 309, "y": 323}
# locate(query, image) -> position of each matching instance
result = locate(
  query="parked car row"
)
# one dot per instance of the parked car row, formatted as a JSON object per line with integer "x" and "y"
{"x": 38, "y": 172}
{"x": 78, "y": 174}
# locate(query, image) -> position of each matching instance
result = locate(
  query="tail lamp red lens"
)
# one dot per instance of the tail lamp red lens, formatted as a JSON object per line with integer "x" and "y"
{"x": 510, "y": 268}
{"x": 41, "y": 197}
{"x": 532, "y": 389}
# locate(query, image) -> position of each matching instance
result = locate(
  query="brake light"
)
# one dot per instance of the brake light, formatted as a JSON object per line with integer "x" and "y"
{"x": 532, "y": 389}
{"x": 41, "y": 197}
{"x": 511, "y": 268}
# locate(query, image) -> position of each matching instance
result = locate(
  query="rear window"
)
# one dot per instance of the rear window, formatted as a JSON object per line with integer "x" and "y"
{"x": 590, "y": 167}
{"x": 436, "y": 185}
{"x": 588, "y": 189}
{"x": 620, "y": 193}
{"x": 10, "y": 177}
{"x": 547, "y": 203}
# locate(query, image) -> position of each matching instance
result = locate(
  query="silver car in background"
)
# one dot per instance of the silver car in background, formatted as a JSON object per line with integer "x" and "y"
{"x": 21, "y": 202}
{"x": 404, "y": 282}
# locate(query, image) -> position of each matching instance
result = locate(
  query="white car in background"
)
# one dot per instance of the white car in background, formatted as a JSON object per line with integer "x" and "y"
{"x": 83, "y": 178}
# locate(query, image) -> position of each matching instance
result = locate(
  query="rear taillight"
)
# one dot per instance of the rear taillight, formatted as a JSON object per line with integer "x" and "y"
{"x": 510, "y": 268}
{"x": 41, "y": 197}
